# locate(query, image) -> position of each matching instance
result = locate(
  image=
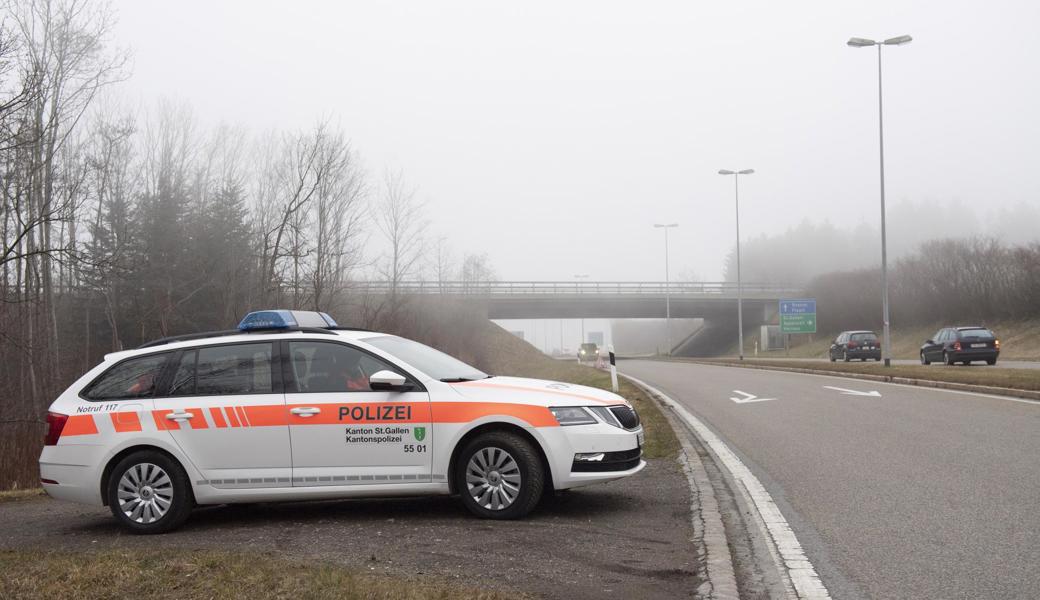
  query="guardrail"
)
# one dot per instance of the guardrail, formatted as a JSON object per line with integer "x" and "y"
{"x": 571, "y": 288}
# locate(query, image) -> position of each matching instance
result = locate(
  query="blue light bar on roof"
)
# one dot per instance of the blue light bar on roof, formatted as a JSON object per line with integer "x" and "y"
{"x": 268, "y": 319}
{"x": 285, "y": 319}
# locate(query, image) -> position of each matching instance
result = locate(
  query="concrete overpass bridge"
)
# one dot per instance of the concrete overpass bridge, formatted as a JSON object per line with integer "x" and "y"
{"x": 599, "y": 299}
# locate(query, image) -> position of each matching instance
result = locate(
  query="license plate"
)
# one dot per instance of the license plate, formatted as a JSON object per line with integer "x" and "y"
{"x": 868, "y": 347}
{"x": 978, "y": 345}
{"x": 641, "y": 439}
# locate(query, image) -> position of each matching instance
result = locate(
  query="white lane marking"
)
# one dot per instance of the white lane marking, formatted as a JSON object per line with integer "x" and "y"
{"x": 846, "y": 392}
{"x": 748, "y": 398}
{"x": 802, "y": 574}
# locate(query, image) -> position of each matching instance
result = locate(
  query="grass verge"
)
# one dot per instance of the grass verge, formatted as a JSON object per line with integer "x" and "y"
{"x": 12, "y": 495}
{"x": 1015, "y": 379}
{"x": 205, "y": 574}
{"x": 508, "y": 355}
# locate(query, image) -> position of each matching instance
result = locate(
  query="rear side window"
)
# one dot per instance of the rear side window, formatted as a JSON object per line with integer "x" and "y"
{"x": 224, "y": 370}
{"x": 864, "y": 337}
{"x": 134, "y": 378}
{"x": 976, "y": 333}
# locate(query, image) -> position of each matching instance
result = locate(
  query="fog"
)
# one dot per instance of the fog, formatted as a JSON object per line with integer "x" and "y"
{"x": 552, "y": 135}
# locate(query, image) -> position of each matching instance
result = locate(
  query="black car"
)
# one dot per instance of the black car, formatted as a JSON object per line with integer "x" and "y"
{"x": 863, "y": 345}
{"x": 961, "y": 345}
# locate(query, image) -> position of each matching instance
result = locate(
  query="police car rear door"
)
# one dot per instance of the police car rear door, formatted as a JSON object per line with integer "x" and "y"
{"x": 225, "y": 409}
{"x": 342, "y": 431}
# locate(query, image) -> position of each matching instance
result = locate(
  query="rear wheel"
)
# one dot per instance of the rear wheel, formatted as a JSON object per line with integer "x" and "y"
{"x": 149, "y": 492}
{"x": 499, "y": 475}
{"x": 924, "y": 360}
{"x": 991, "y": 361}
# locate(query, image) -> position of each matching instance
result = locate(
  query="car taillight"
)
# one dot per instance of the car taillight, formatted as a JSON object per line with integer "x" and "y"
{"x": 996, "y": 344}
{"x": 957, "y": 346}
{"x": 55, "y": 423}
{"x": 852, "y": 344}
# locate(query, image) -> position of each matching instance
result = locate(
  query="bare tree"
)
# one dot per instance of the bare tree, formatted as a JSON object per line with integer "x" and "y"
{"x": 399, "y": 216}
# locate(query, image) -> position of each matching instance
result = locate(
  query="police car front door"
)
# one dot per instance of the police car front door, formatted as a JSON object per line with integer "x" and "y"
{"x": 225, "y": 409}
{"x": 343, "y": 432}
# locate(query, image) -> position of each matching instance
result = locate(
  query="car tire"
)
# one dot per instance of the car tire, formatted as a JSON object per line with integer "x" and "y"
{"x": 499, "y": 475}
{"x": 947, "y": 359}
{"x": 845, "y": 356}
{"x": 991, "y": 361}
{"x": 924, "y": 361}
{"x": 149, "y": 492}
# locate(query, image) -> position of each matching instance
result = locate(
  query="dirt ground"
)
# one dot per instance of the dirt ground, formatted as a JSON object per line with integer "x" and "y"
{"x": 625, "y": 539}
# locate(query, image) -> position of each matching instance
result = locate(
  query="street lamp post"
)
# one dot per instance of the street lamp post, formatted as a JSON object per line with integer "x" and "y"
{"x": 740, "y": 289}
{"x": 855, "y": 42}
{"x": 667, "y": 285}
{"x": 583, "y": 318}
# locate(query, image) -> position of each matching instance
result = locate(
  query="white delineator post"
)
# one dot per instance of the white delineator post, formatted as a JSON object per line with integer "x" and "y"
{"x": 613, "y": 369}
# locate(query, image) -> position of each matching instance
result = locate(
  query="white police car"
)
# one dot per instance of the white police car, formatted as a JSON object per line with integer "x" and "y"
{"x": 291, "y": 407}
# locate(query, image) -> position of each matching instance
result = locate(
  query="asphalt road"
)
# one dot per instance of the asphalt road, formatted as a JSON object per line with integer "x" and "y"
{"x": 914, "y": 494}
{"x": 625, "y": 539}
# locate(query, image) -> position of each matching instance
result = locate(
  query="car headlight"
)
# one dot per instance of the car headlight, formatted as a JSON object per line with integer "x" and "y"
{"x": 572, "y": 415}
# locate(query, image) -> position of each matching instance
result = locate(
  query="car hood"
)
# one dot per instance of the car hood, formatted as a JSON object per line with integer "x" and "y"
{"x": 536, "y": 391}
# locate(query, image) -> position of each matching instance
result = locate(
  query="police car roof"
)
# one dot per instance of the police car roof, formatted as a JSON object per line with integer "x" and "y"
{"x": 234, "y": 335}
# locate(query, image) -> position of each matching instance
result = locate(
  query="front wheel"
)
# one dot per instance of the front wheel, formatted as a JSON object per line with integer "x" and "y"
{"x": 948, "y": 359}
{"x": 924, "y": 361}
{"x": 149, "y": 492}
{"x": 499, "y": 475}
{"x": 845, "y": 356}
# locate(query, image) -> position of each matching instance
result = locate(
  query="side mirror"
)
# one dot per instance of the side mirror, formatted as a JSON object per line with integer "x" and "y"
{"x": 929, "y": 342}
{"x": 388, "y": 381}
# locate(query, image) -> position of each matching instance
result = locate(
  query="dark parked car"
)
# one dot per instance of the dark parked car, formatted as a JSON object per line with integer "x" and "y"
{"x": 855, "y": 344}
{"x": 961, "y": 345}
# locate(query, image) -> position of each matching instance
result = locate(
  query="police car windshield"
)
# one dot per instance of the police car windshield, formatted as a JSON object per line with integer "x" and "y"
{"x": 434, "y": 363}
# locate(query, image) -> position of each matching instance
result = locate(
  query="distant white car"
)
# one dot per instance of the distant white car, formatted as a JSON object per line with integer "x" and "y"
{"x": 291, "y": 407}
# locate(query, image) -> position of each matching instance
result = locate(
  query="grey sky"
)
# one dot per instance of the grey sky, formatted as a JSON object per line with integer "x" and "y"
{"x": 545, "y": 133}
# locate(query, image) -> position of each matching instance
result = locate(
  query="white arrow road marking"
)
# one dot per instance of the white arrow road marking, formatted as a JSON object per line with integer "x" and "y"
{"x": 748, "y": 398}
{"x": 846, "y": 392}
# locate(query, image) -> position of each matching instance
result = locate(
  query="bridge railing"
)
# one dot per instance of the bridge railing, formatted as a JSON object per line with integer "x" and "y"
{"x": 571, "y": 288}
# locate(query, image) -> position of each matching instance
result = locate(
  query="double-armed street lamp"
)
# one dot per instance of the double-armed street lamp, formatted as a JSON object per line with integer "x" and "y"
{"x": 667, "y": 285}
{"x": 740, "y": 291}
{"x": 886, "y": 344}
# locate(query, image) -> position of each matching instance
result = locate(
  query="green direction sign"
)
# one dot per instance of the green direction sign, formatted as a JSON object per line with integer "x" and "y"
{"x": 798, "y": 323}
{"x": 798, "y": 316}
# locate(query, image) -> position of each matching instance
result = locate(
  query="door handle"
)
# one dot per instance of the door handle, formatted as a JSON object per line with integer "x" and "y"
{"x": 305, "y": 411}
{"x": 174, "y": 416}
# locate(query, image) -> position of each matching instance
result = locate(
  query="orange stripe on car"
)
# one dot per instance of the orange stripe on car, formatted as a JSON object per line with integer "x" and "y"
{"x": 80, "y": 425}
{"x": 125, "y": 422}
{"x": 232, "y": 417}
{"x": 218, "y": 417}
{"x": 464, "y": 412}
{"x": 241, "y": 412}
{"x": 199, "y": 420}
{"x": 162, "y": 423}
{"x": 267, "y": 415}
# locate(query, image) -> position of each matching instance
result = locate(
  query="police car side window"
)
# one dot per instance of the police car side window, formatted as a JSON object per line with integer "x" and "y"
{"x": 321, "y": 367}
{"x": 223, "y": 370}
{"x": 134, "y": 378}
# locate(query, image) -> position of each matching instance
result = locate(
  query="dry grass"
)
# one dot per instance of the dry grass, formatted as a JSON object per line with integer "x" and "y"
{"x": 12, "y": 495}
{"x": 206, "y": 574}
{"x": 508, "y": 355}
{"x": 1018, "y": 379}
